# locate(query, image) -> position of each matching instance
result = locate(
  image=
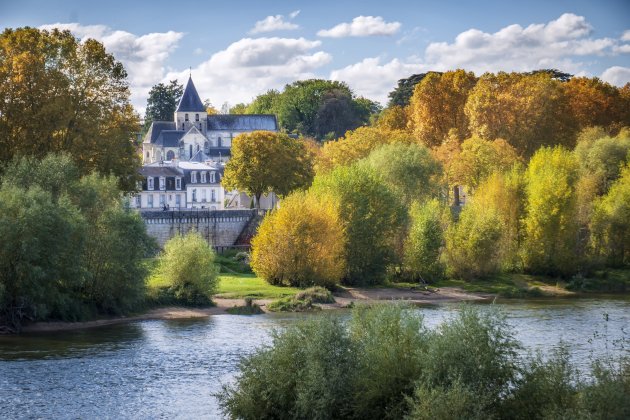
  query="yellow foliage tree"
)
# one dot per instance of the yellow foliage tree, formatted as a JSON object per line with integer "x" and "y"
{"x": 479, "y": 158}
{"x": 437, "y": 106}
{"x": 301, "y": 243}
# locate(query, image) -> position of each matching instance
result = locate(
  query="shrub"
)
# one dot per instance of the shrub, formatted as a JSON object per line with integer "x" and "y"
{"x": 187, "y": 269}
{"x": 292, "y": 304}
{"x": 301, "y": 243}
{"x": 316, "y": 295}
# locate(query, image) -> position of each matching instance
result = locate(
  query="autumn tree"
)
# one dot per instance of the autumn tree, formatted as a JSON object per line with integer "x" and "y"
{"x": 302, "y": 243}
{"x": 356, "y": 145}
{"x": 393, "y": 118}
{"x": 59, "y": 94}
{"x": 528, "y": 111}
{"x": 162, "y": 102}
{"x": 263, "y": 161}
{"x": 424, "y": 242}
{"x": 593, "y": 102}
{"x": 372, "y": 218}
{"x": 437, "y": 106}
{"x": 551, "y": 229}
{"x": 408, "y": 169}
{"x": 479, "y": 158}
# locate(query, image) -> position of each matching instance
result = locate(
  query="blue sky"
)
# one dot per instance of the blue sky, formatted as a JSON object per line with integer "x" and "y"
{"x": 238, "y": 49}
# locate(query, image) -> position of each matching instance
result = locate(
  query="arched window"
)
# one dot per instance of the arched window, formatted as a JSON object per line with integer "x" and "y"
{"x": 170, "y": 155}
{"x": 206, "y": 147}
{"x": 185, "y": 117}
{"x": 147, "y": 155}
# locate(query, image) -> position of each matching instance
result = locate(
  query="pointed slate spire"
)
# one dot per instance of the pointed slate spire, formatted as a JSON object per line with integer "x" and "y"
{"x": 190, "y": 101}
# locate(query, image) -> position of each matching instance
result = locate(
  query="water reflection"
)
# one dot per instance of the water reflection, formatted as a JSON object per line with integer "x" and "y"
{"x": 171, "y": 369}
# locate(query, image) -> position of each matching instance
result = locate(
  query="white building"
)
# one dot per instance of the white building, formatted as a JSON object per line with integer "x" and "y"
{"x": 193, "y": 130}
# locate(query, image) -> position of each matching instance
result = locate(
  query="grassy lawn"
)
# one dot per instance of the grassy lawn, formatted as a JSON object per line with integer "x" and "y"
{"x": 236, "y": 286}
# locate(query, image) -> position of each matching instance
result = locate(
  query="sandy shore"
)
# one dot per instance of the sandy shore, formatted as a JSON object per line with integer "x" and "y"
{"x": 343, "y": 299}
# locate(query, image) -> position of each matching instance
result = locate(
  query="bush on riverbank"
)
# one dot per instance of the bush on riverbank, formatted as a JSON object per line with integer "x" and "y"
{"x": 186, "y": 271}
{"x": 385, "y": 364}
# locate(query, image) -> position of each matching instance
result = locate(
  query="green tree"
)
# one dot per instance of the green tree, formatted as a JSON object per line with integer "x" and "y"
{"x": 479, "y": 158}
{"x": 265, "y": 103}
{"x": 59, "y": 94}
{"x": 187, "y": 269}
{"x": 551, "y": 229}
{"x": 301, "y": 243}
{"x": 263, "y": 161}
{"x": 603, "y": 158}
{"x": 401, "y": 95}
{"x": 372, "y": 217}
{"x": 437, "y": 106}
{"x": 162, "y": 102}
{"x": 422, "y": 249}
{"x": 408, "y": 169}
{"x": 610, "y": 224}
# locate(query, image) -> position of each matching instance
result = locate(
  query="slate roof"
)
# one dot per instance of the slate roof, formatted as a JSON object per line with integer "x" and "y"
{"x": 169, "y": 138}
{"x": 200, "y": 156}
{"x": 215, "y": 152}
{"x": 248, "y": 122}
{"x": 190, "y": 101}
{"x": 156, "y": 128}
{"x": 150, "y": 170}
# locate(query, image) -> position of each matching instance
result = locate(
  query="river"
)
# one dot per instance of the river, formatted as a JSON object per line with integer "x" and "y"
{"x": 171, "y": 369}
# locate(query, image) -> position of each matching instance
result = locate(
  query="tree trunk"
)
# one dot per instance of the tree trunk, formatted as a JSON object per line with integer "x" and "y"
{"x": 456, "y": 195}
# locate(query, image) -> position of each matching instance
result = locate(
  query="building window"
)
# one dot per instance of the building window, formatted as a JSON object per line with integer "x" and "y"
{"x": 219, "y": 141}
{"x": 162, "y": 200}
{"x": 203, "y": 177}
{"x": 178, "y": 200}
{"x": 170, "y": 155}
{"x": 150, "y": 183}
{"x": 162, "y": 183}
{"x": 150, "y": 200}
{"x": 178, "y": 183}
{"x": 214, "y": 197}
{"x": 197, "y": 117}
{"x": 206, "y": 147}
{"x": 190, "y": 151}
{"x": 203, "y": 195}
{"x": 182, "y": 126}
{"x": 138, "y": 201}
{"x": 147, "y": 155}
{"x": 193, "y": 177}
{"x": 185, "y": 117}
{"x": 194, "y": 195}
{"x": 212, "y": 178}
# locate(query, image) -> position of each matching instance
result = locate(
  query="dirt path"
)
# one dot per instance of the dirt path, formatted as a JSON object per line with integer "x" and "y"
{"x": 349, "y": 295}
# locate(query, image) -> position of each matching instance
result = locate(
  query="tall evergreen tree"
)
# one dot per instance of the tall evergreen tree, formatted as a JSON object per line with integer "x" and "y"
{"x": 162, "y": 102}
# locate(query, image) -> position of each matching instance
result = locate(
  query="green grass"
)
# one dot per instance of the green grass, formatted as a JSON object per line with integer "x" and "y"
{"x": 238, "y": 286}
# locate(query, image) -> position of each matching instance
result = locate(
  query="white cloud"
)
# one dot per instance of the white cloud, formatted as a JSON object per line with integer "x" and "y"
{"x": 362, "y": 26}
{"x": 143, "y": 56}
{"x": 554, "y": 44}
{"x": 374, "y": 80}
{"x": 198, "y": 51}
{"x": 616, "y": 75}
{"x": 249, "y": 67}
{"x": 275, "y": 23}
{"x": 626, "y": 35}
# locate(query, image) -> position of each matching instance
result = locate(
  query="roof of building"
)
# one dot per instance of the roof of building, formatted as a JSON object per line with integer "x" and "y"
{"x": 246, "y": 122}
{"x": 190, "y": 101}
{"x": 169, "y": 138}
{"x": 160, "y": 170}
{"x": 156, "y": 128}
{"x": 200, "y": 156}
{"x": 215, "y": 152}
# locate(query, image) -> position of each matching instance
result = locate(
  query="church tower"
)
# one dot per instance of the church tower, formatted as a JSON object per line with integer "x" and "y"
{"x": 190, "y": 111}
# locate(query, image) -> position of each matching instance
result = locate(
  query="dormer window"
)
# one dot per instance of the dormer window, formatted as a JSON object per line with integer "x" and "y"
{"x": 197, "y": 117}
{"x": 150, "y": 183}
{"x": 193, "y": 177}
{"x": 203, "y": 177}
{"x": 212, "y": 178}
{"x": 162, "y": 183}
{"x": 178, "y": 183}
{"x": 185, "y": 117}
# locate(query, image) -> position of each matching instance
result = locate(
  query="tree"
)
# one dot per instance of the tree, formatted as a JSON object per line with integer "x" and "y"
{"x": 393, "y": 118}
{"x": 187, "y": 268}
{"x": 401, "y": 95}
{"x": 372, "y": 218}
{"x": 551, "y": 231}
{"x": 301, "y": 243}
{"x": 162, "y": 102}
{"x": 479, "y": 158}
{"x": 553, "y": 73}
{"x": 528, "y": 111}
{"x": 265, "y": 103}
{"x": 210, "y": 109}
{"x": 610, "y": 224}
{"x": 424, "y": 242}
{"x": 437, "y": 106}
{"x": 408, "y": 169}
{"x": 356, "y": 145}
{"x": 263, "y": 161}
{"x": 593, "y": 102}
{"x": 603, "y": 158}
{"x": 62, "y": 95}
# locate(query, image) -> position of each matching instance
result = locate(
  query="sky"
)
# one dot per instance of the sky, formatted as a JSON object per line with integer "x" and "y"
{"x": 238, "y": 49}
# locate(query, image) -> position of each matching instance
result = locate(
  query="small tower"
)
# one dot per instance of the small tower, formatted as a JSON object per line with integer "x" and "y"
{"x": 190, "y": 111}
